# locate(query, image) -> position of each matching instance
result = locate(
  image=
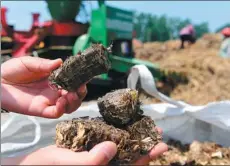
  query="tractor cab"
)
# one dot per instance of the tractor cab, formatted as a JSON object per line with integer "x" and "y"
{"x": 118, "y": 26}
{"x": 110, "y": 25}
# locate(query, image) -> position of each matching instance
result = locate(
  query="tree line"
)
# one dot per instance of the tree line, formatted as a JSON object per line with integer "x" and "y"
{"x": 150, "y": 27}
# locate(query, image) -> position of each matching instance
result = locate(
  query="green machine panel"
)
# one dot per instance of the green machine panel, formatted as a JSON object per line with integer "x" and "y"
{"x": 119, "y": 24}
{"x": 109, "y": 24}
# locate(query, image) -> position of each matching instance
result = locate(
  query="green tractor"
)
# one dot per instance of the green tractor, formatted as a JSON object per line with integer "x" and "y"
{"x": 112, "y": 25}
{"x": 108, "y": 25}
{"x": 63, "y": 36}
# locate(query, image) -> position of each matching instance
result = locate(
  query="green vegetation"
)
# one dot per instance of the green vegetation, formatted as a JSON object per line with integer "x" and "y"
{"x": 150, "y": 27}
{"x": 161, "y": 28}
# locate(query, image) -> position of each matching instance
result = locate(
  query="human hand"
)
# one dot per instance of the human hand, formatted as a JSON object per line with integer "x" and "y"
{"x": 25, "y": 88}
{"x": 100, "y": 154}
{"x": 159, "y": 149}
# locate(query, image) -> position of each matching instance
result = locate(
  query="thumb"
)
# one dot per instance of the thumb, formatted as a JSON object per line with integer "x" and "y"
{"x": 50, "y": 65}
{"x": 102, "y": 153}
{"x": 53, "y": 64}
{"x": 42, "y": 65}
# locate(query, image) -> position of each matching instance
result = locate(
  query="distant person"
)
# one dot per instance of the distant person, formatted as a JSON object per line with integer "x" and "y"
{"x": 187, "y": 34}
{"x": 225, "y": 46}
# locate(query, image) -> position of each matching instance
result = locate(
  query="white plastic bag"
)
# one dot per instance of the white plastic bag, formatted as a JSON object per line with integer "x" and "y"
{"x": 178, "y": 120}
{"x": 11, "y": 147}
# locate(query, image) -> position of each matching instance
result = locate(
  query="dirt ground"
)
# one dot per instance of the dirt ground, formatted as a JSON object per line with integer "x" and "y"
{"x": 197, "y": 153}
{"x": 208, "y": 81}
{"x": 209, "y": 77}
{"x": 208, "y": 73}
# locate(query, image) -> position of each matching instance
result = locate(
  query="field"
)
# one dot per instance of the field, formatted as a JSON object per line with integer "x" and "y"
{"x": 208, "y": 74}
{"x": 208, "y": 81}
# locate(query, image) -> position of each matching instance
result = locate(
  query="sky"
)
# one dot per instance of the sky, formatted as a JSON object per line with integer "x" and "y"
{"x": 216, "y": 13}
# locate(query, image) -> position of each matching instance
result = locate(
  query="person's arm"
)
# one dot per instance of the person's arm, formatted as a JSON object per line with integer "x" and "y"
{"x": 223, "y": 49}
{"x": 193, "y": 32}
{"x": 228, "y": 49}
